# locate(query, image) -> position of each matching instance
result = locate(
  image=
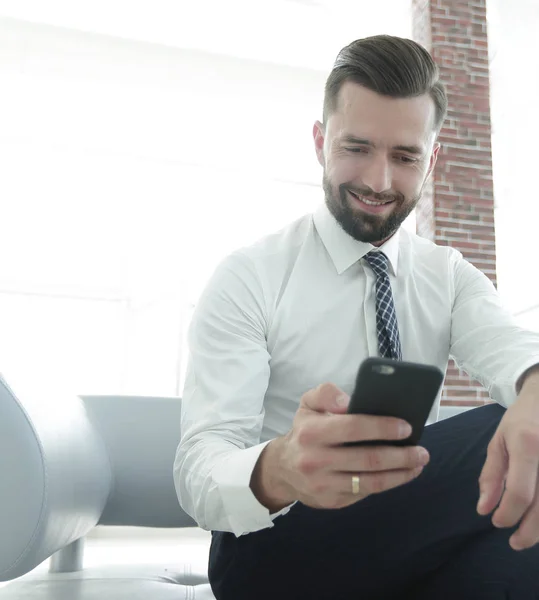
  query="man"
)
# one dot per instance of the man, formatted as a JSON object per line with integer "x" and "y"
{"x": 294, "y": 513}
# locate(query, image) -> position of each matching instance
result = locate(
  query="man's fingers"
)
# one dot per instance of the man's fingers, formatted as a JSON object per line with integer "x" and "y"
{"x": 338, "y": 429}
{"x": 527, "y": 534}
{"x": 377, "y": 458}
{"x": 492, "y": 476}
{"x": 375, "y": 483}
{"x": 521, "y": 481}
{"x": 369, "y": 483}
{"x": 326, "y": 398}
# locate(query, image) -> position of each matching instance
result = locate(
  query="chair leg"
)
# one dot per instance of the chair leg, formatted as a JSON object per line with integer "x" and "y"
{"x": 68, "y": 559}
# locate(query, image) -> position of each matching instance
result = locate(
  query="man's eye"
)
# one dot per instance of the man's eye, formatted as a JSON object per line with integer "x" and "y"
{"x": 357, "y": 149}
{"x": 406, "y": 159}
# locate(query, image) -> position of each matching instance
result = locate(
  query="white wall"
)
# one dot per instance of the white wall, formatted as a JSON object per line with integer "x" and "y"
{"x": 302, "y": 33}
{"x": 514, "y": 93}
{"x": 132, "y": 161}
{"x": 129, "y": 169}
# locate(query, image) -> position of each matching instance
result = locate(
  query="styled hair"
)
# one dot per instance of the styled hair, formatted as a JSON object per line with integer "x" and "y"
{"x": 390, "y": 66}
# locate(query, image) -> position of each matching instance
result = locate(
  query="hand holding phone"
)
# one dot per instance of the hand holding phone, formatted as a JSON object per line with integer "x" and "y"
{"x": 391, "y": 388}
{"x": 311, "y": 463}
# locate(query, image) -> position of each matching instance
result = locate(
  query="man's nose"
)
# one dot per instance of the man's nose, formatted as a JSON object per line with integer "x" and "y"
{"x": 377, "y": 175}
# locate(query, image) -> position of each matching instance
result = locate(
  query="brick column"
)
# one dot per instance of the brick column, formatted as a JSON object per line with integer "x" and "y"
{"x": 458, "y": 209}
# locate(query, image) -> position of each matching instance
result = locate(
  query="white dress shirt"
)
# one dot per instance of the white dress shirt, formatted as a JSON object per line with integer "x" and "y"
{"x": 297, "y": 309}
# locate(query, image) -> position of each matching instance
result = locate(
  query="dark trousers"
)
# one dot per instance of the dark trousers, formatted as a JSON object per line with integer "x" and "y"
{"x": 422, "y": 541}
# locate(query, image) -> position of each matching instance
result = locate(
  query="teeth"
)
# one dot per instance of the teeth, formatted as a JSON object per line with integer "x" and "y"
{"x": 368, "y": 201}
{"x": 372, "y": 203}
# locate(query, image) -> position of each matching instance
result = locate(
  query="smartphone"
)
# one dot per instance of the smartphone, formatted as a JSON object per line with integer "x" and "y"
{"x": 394, "y": 388}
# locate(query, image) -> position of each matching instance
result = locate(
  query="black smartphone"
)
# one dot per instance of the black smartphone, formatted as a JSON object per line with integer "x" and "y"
{"x": 392, "y": 388}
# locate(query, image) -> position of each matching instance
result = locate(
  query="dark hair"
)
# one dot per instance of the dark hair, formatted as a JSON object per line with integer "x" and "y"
{"x": 390, "y": 66}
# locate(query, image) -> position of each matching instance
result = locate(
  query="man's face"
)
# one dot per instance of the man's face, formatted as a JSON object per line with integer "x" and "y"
{"x": 377, "y": 152}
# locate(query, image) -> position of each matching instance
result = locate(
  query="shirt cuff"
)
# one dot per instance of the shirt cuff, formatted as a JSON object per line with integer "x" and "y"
{"x": 232, "y": 475}
{"x": 505, "y": 391}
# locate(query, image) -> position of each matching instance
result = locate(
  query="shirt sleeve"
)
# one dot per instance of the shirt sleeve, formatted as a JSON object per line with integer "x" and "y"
{"x": 486, "y": 340}
{"x": 222, "y": 403}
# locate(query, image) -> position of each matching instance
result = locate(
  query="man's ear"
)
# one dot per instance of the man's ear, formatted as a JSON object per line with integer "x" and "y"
{"x": 433, "y": 158}
{"x": 319, "y": 137}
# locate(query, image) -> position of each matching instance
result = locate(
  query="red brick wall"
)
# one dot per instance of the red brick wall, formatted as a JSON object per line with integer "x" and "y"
{"x": 458, "y": 210}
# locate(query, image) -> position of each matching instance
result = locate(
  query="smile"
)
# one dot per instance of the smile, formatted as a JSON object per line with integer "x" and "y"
{"x": 369, "y": 202}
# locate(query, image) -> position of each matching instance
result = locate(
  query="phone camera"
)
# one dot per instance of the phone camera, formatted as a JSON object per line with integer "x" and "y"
{"x": 384, "y": 369}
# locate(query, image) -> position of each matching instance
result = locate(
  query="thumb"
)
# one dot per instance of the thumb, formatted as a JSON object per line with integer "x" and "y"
{"x": 326, "y": 398}
{"x": 491, "y": 480}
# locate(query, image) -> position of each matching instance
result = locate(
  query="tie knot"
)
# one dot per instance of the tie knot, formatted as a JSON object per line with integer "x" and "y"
{"x": 378, "y": 263}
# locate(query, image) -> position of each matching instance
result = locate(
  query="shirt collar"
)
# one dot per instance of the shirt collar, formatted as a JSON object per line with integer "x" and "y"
{"x": 343, "y": 249}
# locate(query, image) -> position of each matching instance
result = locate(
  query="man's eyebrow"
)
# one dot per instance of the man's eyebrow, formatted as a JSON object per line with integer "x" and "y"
{"x": 409, "y": 149}
{"x": 352, "y": 139}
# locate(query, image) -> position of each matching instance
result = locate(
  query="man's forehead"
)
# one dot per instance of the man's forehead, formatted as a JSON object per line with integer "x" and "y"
{"x": 362, "y": 113}
{"x": 351, "y": 93}
{"x": 356, "y": 101}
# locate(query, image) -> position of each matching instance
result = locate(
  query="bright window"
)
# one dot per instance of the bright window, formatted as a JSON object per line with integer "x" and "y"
{"x": 131, "y": 166}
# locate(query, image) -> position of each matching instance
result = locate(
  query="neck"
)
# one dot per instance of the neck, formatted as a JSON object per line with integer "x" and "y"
{"x": 378, "y": 244}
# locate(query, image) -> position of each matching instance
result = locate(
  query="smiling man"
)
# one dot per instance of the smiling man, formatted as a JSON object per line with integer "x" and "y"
{"x": 275, "y": 344}
{"x": 373, "y": 180}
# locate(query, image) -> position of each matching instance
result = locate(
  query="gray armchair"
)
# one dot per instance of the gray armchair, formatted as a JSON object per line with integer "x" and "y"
{"x": 68, "y": 464}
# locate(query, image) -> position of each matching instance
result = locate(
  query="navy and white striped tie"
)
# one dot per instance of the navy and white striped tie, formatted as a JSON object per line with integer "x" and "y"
{"x": 389, "y": 343}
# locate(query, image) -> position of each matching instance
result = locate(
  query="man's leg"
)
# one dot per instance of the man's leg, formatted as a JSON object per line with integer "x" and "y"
{"x": 487, "y": 568}
{"x": 377, "y": 548}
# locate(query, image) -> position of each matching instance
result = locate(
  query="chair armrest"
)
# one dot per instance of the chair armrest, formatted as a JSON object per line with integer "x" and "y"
{"x": 55, "y": 476}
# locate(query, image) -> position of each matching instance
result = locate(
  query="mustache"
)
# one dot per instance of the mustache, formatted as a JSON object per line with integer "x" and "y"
{"x": 369, "y": 194}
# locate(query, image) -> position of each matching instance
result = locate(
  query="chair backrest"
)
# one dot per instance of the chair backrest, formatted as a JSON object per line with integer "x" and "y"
{"x": 141, "y": 435}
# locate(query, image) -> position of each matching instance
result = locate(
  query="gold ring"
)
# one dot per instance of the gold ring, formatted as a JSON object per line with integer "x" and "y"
{"x": 355, "y": 485}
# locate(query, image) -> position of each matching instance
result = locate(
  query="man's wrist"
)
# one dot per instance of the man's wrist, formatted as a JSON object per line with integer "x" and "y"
{"x": 267, "y": 483}
{"x": 530, "y": 377}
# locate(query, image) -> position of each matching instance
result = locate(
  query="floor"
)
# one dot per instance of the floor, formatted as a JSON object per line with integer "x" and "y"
{"x": 126, "y": 545}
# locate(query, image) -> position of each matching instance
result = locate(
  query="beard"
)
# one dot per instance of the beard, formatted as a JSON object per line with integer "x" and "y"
{"x": 362, "y": 226}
